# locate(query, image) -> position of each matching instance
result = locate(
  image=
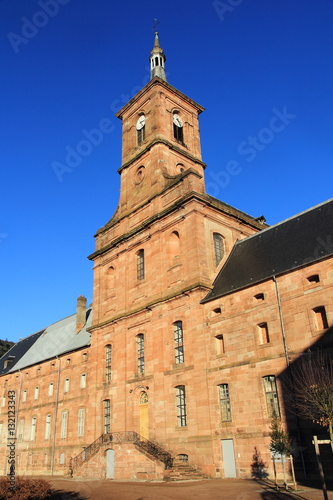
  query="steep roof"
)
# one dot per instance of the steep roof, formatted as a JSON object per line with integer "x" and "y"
{"x": 291, "y": 244}
{"x": 15, "y": 353}
{"x": 57, "y": 339}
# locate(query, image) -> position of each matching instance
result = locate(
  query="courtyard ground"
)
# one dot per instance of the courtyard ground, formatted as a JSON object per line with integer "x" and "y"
{"x": 214, "y": 489}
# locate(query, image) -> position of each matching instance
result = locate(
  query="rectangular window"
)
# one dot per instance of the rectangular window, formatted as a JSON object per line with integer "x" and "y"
{"x": 48, "y": 427}
{"x": 141, "y": 264}
{"x": 61, "y": 458}
{"x": 179, "y": 345}
{"x": 51, "y": 387}
{"x": 220, "y": 348}
{"x": 225, "y": 403}
{"x": 272, "y": 400}
{"x": 83, "y": 381}
{"x": 140, "y": 343}
{"x": 33, "y": 428}
{"x": 81, "y": 420}
{"x": 320, "y": 318}
{"x": 3, "y": 404}
{"x": 107, "y": 416}
{"x": 64, "y": 423}
{"x": 108, "y": 361}
{"x": 66, "y": 385}
{"x": 181, "y": 406}
{"x": 36, "y": 393}
{"x": 263, "y": 335}
{"x": 24, "y": 396}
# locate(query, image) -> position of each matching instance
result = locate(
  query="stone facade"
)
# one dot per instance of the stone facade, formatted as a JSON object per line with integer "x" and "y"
{"x": 162, "y": 362}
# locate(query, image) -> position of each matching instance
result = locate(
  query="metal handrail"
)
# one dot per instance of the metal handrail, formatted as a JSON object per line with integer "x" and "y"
{"x": 140, "y": 442}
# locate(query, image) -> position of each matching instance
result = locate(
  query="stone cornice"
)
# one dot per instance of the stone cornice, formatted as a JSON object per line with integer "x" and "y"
{"x": 149, "y": 305}
{"x": 204, "y": 198}
{"x": 158, "y": 82}
{"x": 170, "y": 145}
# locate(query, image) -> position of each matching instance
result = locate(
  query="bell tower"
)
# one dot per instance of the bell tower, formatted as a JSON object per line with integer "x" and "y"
{"x": 160, "y": 241}
{"x": 160, "y": 139}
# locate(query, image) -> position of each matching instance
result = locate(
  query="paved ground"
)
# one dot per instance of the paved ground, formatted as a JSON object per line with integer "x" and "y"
{"x": 214, "y": 489}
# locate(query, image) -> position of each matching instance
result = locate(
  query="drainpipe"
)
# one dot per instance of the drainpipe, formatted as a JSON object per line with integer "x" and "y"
{"x": 55, "y": 418}
{"x": 288, "y": 365}
{"x": 17, "y": 400}
{"x": 281, "y": 322}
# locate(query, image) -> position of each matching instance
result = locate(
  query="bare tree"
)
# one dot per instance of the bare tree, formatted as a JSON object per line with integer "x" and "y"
{"x": 310, "y": 388}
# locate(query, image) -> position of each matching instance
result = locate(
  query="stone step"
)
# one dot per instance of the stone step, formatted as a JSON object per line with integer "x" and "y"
{"x": 183, "y": 472}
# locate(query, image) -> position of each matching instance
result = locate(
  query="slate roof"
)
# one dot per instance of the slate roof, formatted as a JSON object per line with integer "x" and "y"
{"x": 288, "y": 245}
{"x": 16, "y": 352}
{"x": 56, "y": 339}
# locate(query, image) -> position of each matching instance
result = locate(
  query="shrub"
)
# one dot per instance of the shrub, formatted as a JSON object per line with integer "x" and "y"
{"x": 25, "y": 489}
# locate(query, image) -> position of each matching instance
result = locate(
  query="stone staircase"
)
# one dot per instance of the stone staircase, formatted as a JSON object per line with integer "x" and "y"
{"x": 183, "y": 471}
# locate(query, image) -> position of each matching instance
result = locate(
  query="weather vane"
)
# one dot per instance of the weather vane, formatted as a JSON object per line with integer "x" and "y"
{"x": 156, "y": 24}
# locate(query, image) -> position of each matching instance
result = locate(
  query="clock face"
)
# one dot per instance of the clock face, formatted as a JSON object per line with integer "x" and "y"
{"x": 141, "y": 122}
{"x": 177, "y": 120}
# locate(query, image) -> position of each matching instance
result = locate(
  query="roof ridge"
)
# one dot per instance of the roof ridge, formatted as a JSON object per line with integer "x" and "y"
{"x": 284, "y": 221}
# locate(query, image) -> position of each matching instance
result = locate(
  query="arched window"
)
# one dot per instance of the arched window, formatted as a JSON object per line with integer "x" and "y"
{"x": 141, "y": 264}
{"x": 110, "y": 278}
{"x": 33, "y": 428}
{"x": 83, "y": 381}
{"x": 108, "y": 363}
{"x": 178, "y": 128}
{"x": 141, "y": 129}
{"x": 181, "y": 406}
{"x": 143, "y": 398}
{"x": 107, "y": 416}
{"x": 218, "y": 248}
{"x": 140, "y": 346}
{"x": 271, "y": 395}
{"x": 64, "y": 424}
{"x": 48, "y": 426}
{"x": 174, "y": 245}
{"x": 225, "y": 402}
{"x": 179, "y": 342}
{"x": 81, "y": 421}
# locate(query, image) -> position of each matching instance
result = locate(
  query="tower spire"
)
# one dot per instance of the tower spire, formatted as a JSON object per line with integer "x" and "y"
{"x": 157, "y": 60}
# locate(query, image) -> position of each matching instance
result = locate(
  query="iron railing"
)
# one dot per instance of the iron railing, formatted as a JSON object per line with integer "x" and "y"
{"x": 143, "y": 444}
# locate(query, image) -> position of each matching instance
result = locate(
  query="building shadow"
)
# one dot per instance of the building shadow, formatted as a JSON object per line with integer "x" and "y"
{"x": 301, "y": 430}
{"x": 270, "y": 493}
{"x": 66, "y": 495}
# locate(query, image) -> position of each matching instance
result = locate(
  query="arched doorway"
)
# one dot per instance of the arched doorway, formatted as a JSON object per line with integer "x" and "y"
{"x": 144, "y": 415}
{"x": 109, "y": 464}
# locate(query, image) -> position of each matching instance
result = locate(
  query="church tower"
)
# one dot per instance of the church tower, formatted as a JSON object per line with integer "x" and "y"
{"x": 155, "y": 260}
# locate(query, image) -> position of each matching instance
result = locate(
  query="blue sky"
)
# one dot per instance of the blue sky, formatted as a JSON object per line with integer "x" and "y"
{"x": 261, "y": 68}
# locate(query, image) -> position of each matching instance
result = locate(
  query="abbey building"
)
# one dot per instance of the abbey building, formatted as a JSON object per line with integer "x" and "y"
{"x": 198, "y": 309}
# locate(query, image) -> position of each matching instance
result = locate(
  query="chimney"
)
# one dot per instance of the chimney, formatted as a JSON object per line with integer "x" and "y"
{"x": 81, "y": 313}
